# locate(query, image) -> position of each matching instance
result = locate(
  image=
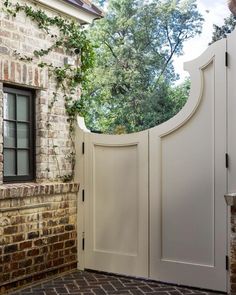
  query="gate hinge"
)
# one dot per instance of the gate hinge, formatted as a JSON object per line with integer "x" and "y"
{"x": 83, "y": 195}
{"x": 83, "y": 242}
{"x": 226, "y": 160}
{"x": 83, "y": 148}
{"x": 226, "y": 59}
{"x": 227, "y": 262}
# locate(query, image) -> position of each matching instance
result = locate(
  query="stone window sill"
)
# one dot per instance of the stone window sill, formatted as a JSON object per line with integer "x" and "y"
{"x": 16, "y": 190}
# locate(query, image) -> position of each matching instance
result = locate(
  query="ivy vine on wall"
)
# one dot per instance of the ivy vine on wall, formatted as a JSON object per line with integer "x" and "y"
{"x": 72, "y": 39}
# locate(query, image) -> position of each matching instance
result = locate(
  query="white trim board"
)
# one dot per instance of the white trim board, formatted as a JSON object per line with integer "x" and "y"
{"x": 68, "y": 9}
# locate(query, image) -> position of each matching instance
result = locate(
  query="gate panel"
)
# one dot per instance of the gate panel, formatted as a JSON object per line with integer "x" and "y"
{"x": 116, "y": 185}
{"x": 188, "y": 181}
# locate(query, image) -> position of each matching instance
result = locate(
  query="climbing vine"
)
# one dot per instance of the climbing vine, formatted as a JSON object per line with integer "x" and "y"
{"x": 72, "y": 40}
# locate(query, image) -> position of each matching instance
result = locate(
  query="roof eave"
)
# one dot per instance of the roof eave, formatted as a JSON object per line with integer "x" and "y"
{"x": 82, "y": 15}
{"x": 94, "y": 10}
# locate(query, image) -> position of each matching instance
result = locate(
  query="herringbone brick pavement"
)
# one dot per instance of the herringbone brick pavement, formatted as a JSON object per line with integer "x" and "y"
{"x": 91, "y": 283}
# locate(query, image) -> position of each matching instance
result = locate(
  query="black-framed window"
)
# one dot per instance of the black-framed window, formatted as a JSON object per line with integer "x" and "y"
{"x": 18, "y": 135}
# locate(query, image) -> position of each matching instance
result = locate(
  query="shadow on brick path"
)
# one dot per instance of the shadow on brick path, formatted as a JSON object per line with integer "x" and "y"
{"x": 91, "y": 283}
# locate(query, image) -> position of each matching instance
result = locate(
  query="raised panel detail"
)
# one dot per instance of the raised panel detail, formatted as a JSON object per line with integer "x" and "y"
{"x": 116, "y": 199}
{"x": 188, "y": 185}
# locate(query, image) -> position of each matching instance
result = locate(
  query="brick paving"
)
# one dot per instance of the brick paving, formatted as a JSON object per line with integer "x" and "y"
{"x": 91, "y": 283}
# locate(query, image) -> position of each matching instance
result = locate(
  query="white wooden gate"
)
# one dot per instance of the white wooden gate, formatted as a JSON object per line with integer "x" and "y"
{"x": 116, "y": 213}
{"x": 154, "y": 201}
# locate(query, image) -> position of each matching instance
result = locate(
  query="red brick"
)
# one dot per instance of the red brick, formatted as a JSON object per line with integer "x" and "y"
{"x": 24, "y": 74}
{"x": 25, "y": 263}
{"x": 18, "y": 238}
{"x": 25, "y": 245}
{"x": 6, "y": 71}
{"x": 39, "y": 259}
{"x": 18, "y": 273}
{"x": 13, "y": 71}
{"x": 33, "y": 252}
{"x": 18, "y": 256}
{"x": 64, "y": 237}
{"x": 36, "y": 77}
{"x": 57, "y": 246}
{"x": 10, "y": 248}
{"x": 10, "y": 230}
{"x": 69, "y": 243}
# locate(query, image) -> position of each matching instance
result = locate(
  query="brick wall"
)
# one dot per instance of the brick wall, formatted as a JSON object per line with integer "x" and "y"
{"x": 52, "y": 144}
{"x": 37, "y": 220}
{"x": 37, "y": 232}
{"x": 233, "y": 251}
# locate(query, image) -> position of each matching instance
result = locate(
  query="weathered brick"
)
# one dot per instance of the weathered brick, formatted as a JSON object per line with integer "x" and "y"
{"x": 18, "y": 238}
{"x": 10, "y": 230}
{"x": 46, "y": 215}
{"x": 52, "y": 240}
{"x": 64, "y": 237}
{"x": 53, "y": 255}
{"x": 25, "y": 245}
{"x": 64, "y": 220}
{"x": 18, "y": 255}
{"x": 25, "y": 263}
{"x": 58, "y": 230}
{"x": 39, "y": 259}
{"x": 57, "y": 262}
{"x": 18, "y": 273}
{"x": 69, "y": 227}
{"x": 4, "y": 50}
{"x": 73, "y": 250}
{"x": 5, "y": 258}
{"x": 39, "y": 242}
{"x": 6, "y": 71}
{"x": 33, "y": 235}
{"x": 13, "y": 266}
{"x": 33, "y": 252}
{"x": 10, "y": 248}
{"x": 69, "y": 243}
{"x": 52, "y": 223}
{"x": 57, "y": 246}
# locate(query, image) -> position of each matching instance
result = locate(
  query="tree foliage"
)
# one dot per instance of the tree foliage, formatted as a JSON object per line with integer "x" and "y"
{"x": 220, "y": 32}
{"x": 131, "y": 86}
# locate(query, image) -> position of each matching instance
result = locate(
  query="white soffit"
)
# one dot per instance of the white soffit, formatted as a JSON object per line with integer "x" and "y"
{"x": 68, "y": 9}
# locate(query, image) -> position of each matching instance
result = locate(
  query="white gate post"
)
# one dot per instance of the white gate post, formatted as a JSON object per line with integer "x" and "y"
{"x": 80, "y": 177}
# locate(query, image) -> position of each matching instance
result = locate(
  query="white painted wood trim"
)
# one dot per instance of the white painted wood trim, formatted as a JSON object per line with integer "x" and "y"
{"x": 80, "y": 176}
{"x": 68, "y": 10}
{"x": 82, "y": 125}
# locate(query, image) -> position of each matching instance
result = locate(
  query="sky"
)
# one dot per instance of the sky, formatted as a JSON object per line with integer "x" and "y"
{"x": 214, "y": 12}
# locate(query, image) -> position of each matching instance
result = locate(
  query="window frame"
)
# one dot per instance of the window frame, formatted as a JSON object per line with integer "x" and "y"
{"x": 30, "y": 93}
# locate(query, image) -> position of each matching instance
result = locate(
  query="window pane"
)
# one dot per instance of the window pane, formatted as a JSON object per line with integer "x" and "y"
{"x": 9, "y": 134}
{"x": 22, "y": 108}
{"x": 22, "y": 135}
{"x": 9, "y": 162}
{"x": 9, "y": 106}
{"x": 23, "y": 162}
